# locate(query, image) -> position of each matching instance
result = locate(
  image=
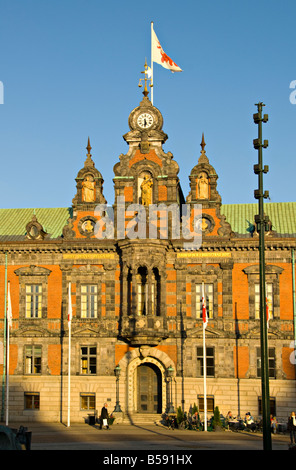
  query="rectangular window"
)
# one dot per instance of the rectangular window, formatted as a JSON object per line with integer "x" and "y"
{"x": 32, "y": 401}
{"x": 89, "y": 301}
{"x": 210, "y": 362}
{"x": 210, "y": 403}
{"x": 271, "y": 362}
{"x": 34, "y": 301}
{"x": 269, "y": 297}
{"x": 33, "y": 359}
{"x": 87, "y": 401}
{"x": 88, "y": 360}
{"x": 209, "y": 300}
{"x": 272, "y": 404}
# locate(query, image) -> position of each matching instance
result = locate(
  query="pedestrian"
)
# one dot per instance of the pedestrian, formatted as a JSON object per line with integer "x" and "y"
{"x": 229, "y": 420}
{"x": 104, "y": 417}
{"x": 292, "y": 427}
{"x": 273, "y": 423}
{"x": 249, "y": 420}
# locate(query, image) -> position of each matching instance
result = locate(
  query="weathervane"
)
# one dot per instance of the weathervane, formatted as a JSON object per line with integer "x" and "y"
{"x": 148, "y": 76}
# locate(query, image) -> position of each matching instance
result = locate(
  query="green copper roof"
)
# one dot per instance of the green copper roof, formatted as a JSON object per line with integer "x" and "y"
{"x": 13, "y": 221}
{"x": 240, "y": 216}
{"x": 281, "y": 214}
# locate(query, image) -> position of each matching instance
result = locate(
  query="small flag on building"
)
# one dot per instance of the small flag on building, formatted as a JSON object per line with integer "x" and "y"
{"x": 267, "y": 313}
{"x": 204, "y": 309}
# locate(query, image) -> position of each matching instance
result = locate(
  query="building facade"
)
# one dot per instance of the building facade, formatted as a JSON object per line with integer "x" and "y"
{"x": 134, "y": 278}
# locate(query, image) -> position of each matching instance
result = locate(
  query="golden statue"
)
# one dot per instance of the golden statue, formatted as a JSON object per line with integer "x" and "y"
{"x": 88, "y": 189}
{"x": 203, "y": 186}
{"x": 146, "y": 191}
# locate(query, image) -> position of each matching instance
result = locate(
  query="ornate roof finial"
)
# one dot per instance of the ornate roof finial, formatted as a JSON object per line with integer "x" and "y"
{"x": 148, "y": 76}
{"x": 88, "y": 162}
{"x": 203, "y": 158}
{"x": 88, "y": 148}
{"x": 203, "y": 144}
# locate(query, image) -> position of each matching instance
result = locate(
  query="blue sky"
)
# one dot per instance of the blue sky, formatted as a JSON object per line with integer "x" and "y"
{"x": 71, "y": 68}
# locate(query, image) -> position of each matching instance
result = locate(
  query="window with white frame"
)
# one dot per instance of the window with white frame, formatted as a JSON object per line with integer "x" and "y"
{"x": 87, "y": 401}
{"x": 210, "y": 362}
{"x": 89, "y": 301}
{"x": 32, "y": 359}
{"x": 33, "y": 301}
{"x": 88, "y": 360}
{"x": 269, "y": 299}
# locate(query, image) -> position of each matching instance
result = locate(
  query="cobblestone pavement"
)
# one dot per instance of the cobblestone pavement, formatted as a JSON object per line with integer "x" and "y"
{"x": 144, "y": 438}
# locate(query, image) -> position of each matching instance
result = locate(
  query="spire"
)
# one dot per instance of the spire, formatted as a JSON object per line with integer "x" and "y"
{"x": 203, "y": 158}
{"x": 88, "y": 148}
{"x": 88, "y": 162}
{"x": 203, "y": 144}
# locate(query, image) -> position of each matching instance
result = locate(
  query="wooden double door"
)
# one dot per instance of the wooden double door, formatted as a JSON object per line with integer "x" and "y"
{"x": 149, "y": 392}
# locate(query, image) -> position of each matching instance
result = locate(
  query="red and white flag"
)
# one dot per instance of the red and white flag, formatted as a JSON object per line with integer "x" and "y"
{"x": 204, "y": 309}
{"x": 9, "y": 308}
{"x": 267, "y": 312}
{"x": 160, "y": 57}
{"x": 69, "y": 304}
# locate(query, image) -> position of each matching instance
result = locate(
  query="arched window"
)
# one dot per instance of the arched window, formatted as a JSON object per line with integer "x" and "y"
{"x": 155, "y": 293}
{"x": 142, "y": 291}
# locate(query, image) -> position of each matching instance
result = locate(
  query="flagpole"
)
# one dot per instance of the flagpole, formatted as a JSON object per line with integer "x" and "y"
{"x": 4, "y": 342}
{"x": 152, "y": 81}
{"x": 69, "y": 353}
{"x": 204, "y": 365}
{"x": 7, "y": 353}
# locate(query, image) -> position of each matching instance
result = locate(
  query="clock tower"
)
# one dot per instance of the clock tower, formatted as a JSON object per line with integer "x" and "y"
{"x": 146, "y": 174}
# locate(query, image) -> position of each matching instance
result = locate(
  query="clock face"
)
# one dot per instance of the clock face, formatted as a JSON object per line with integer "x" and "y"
{"x": 145, "y": 120}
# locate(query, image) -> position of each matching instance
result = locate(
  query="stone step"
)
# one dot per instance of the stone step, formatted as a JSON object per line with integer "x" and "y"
{"x": 141, "y": 418}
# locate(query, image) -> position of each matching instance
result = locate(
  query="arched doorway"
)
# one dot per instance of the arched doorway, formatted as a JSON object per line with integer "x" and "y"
{"x": 149, "y": 388}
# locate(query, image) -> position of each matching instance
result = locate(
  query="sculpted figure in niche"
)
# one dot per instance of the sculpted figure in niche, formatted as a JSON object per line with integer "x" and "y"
{"x": 146, "y": 190}
{"x": 203, "y": 186}
{"x": 88, "y": 189}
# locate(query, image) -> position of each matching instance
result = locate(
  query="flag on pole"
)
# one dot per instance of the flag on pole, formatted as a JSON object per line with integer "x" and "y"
{"x": 9, "y": 308}
{"x": 160, "y": 57}
{"x": 69, "y": 304}
{"x": 204, "y": 309}
{"x": 149, "y": 72}
{"x": 267, "y": 312}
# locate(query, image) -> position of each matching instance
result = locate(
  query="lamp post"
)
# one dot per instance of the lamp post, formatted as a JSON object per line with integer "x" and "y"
{"x": 117, "y": 372}
{"x": 262, "y": 225}
{"x": 170, "y": 372}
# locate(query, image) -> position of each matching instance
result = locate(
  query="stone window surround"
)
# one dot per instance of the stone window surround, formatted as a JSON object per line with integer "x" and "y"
{"x": 210, "y": 276}
{"x": 85, "y": 275}
{"x": 26, "y": 346}
{"x": 88, "y": 355}
{"x": 29, "y": 275}
{"x": 272, "y": 274}
{"x": 130, "y": 298}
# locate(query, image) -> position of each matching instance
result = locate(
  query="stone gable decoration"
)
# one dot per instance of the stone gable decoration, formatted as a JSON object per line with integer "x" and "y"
{"x": 34, "y": 230}
{"x": 89, "y": 185}
{"x": 203, "y": 190}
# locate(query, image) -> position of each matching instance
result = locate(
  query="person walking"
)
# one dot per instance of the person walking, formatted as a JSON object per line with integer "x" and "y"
{"x": 292, "y": 427}
{"x": 104, "y": 417}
